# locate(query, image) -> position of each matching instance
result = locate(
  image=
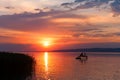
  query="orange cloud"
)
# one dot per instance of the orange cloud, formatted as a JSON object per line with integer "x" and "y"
{"x": 68, "y": 20}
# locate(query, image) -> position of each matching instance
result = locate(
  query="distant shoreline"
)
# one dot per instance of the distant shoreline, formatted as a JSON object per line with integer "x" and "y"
{"x": 91, "y": 50}
{"x": 79, "y": 50}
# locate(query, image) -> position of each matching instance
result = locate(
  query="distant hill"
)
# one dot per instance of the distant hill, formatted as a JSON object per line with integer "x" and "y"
{"x": 80, "y": 50}
{"x": 90, "y": 50}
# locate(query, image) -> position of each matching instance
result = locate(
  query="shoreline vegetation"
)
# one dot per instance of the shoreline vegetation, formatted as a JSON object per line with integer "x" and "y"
{"x": 15, "y": 66}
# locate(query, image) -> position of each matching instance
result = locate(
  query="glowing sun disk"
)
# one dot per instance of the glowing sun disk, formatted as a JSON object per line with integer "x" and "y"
{"x": 46, "y": 43}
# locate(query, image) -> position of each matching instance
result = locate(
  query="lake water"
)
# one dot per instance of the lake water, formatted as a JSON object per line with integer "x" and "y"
{"x": 64, "y": 66}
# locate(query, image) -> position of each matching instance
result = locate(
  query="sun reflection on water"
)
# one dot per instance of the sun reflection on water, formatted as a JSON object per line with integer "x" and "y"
{"x": 46, "y": 66}
{"x": 46, "y": 61}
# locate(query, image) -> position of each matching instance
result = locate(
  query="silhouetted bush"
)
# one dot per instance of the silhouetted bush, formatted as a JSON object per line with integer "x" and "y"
{"x": 15, "y": 66}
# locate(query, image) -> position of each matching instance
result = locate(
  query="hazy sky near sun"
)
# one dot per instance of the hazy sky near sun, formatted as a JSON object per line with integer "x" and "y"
{"x": 61, "y": 22}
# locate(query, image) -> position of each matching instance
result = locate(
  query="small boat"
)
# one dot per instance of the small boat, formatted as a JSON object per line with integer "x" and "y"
{"x": 82, "y": 56}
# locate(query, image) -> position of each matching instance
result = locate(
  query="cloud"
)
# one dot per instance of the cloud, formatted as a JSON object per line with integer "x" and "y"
{"x": 86, "y": 4}
{"x": 87, "y": 28}
{"x": 116, "y": 7}
{"x": 101, "y": 1}
{"x": 96, "y": 45}
{"x": 25, "y": 21}
{"x": 104, "y": 35}
{"x": 21, "y": 6}
{"x": 35, "y": 21}
{"x": 37, "y": 9}
{"x": 8, "y": 7}
{"x": 92, "y": 3}
{"x": 4, "y": 37}
{"x": 94, "y": 31}
{"x": 116, "y": 34}
{"x": 56, "y": 24}
{"x": 79, "y": 0}
{"x": 16, "y": 47}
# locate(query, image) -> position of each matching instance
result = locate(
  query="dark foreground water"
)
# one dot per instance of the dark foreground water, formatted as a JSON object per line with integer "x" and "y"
{"x": 64, "y": 66}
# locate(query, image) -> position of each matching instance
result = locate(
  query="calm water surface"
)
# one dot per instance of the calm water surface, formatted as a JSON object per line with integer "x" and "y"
{"x": 64, "y": 66}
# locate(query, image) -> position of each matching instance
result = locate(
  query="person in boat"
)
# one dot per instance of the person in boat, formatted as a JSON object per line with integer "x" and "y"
{"x": 82, "y": 54}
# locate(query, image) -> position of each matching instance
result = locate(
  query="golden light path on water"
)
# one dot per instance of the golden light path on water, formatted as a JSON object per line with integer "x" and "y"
{"x": 46, "y": 65}
{"x": 46, "y": 61}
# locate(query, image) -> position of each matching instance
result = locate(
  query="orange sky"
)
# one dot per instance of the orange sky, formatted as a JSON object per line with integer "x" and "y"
{"x": 59, "y": 24}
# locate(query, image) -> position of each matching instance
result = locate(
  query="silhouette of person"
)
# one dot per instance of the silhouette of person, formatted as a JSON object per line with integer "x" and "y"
{"x": 81, "y": 54}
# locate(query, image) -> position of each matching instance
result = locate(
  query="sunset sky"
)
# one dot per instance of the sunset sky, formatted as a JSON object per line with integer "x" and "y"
{"x": 59, "y": 24}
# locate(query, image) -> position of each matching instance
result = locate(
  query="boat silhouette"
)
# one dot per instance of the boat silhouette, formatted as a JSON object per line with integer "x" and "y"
{"x": 82, "y": 56}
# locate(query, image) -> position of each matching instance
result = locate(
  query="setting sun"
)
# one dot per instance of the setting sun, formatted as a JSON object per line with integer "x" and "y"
{"x": 46, "y": 43}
